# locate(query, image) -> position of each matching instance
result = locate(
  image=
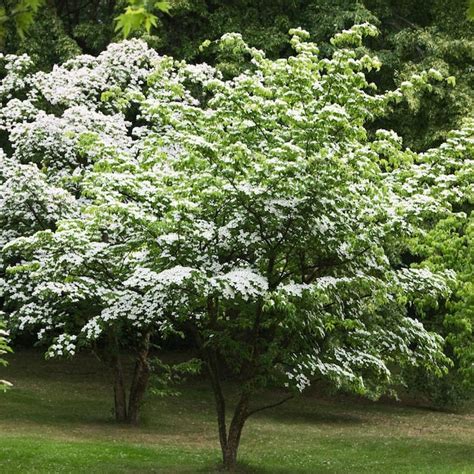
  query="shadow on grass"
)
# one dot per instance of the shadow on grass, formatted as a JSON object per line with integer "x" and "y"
{"x": 26, "y": 405}
{"x": 179, "y": 435}
{"x": 310, "y": 416}
{"x": 242, "y": 468}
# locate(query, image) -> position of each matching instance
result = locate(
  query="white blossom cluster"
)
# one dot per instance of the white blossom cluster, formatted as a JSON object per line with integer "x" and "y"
{"x": 64, "y": 345}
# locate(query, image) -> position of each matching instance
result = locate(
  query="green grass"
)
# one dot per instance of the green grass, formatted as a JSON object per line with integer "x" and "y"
{"x": 57, "y": 419}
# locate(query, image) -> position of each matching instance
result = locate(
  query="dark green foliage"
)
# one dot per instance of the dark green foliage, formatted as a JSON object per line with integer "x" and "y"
{"x": 166, "y": 377}
{"x": 17, "y": 17}
{"x": 429, "y": 34}
{"x": 47, "y": 41}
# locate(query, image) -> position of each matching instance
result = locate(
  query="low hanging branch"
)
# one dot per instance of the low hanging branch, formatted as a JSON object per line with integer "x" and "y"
{"x": 272, "y": 405}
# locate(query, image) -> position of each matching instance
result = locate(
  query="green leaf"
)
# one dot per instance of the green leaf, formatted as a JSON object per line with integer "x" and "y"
{"x": 451, "y": 80}
{"x": 470, "y": 10}
{"x": 131, "y": 20}
{"x": 150, "y": 20}
{"x": 163, "y": 6}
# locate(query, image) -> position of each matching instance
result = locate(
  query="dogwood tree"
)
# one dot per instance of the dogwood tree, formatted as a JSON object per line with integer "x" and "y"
{"x": 255, "y": 214}
{"x": 279, "y": 249}
{"x": 55, "y": 126}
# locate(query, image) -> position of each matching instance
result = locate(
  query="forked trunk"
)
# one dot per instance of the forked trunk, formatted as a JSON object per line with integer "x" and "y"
{"x": 230, "y": 450}
{"x": 229, "y": 456}
{"x": 230, "y": 440}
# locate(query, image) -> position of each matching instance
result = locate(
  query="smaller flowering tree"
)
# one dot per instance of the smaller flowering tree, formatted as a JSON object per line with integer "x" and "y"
{"x": 67, "y": 295}
{"x": 56, "y": 126}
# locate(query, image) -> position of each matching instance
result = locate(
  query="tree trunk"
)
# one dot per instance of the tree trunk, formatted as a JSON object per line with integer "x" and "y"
{"x": 229, "y": 441}
{"x": 212, "y": 366}
{"x": 141, "y": 377}
{"x": 112, "y": 357}
{"x": 229, "y": 454}
{"x": 120, "y": 397}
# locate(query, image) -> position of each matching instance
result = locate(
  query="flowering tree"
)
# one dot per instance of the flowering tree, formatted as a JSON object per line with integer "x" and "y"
{"x": 56, "y": 127}
{"x": 255, "y": 214}
{"x": 279, "y": 246}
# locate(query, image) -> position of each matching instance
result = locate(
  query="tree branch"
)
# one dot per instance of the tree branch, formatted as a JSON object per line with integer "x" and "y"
{"x": 272, "y": 405}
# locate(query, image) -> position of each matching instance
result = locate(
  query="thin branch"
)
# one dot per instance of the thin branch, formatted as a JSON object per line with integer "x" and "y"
{"x": 273, "y": 405}
{"x": 331, "y": 263}
{"x": 408, "y": 22}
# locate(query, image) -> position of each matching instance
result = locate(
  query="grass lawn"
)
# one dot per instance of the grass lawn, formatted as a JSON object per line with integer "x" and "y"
{"x": 57, "y": 419}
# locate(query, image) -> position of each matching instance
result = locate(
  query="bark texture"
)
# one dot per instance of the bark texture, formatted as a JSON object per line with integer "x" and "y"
{"x": 141, "y": 377}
